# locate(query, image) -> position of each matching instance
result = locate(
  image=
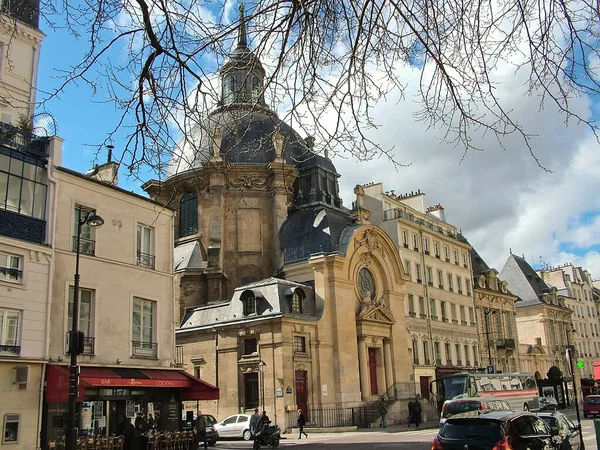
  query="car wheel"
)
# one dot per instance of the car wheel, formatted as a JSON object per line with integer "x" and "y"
{"x": 246, "y": 435}
{"x": 525, "y": 407}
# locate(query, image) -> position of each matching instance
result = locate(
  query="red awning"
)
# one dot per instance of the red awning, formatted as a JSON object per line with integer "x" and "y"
{"x": 191, "y": 387}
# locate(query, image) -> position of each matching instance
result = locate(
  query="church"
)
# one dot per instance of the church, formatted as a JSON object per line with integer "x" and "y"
{"x": 287, "y": 300}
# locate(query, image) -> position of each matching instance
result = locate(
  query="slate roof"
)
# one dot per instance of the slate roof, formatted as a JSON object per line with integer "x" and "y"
{"x": 189, "y": 255}
{"x": 272, "y": 302}
{"x": 310, "y": 231}
{"x": 523, "y": 281}
{"x": 478, "y": 265}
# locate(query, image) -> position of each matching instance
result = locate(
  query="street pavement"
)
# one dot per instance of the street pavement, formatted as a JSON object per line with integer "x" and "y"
{"x": 392, "y": 437}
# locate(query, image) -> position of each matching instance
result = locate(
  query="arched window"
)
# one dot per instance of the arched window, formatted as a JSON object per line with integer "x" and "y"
{"x": 229, "y": 89}
{"x": 249, "y": 302}
{"x": 188, "y": 214}
{"x": 256, "y": 89}
{"x": 297, "y": 301}
{"x": 366, "y": 283}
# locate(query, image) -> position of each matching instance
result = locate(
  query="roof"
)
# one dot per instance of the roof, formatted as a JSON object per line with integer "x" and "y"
{"x": 189, "y": 256}
{"x": 478, "y": 265}
{"x": 523, "y": 281}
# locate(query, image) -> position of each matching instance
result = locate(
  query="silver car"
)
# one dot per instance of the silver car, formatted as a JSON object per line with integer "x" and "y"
{"x": 236, "y": 426}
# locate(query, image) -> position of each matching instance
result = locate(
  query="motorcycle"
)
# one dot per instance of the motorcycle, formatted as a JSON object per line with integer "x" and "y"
{"x": 268, "y": 436}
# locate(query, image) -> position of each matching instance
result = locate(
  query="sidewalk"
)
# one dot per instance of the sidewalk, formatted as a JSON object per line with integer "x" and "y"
{"x": 391, "y": 428}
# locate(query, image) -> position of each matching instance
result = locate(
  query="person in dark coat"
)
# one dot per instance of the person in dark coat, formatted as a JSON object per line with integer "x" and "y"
{"x": 411, "y": 413}
{"x": 417, "y": 411}
{"x": 254, "y": 418}
{"x": 200, "y": 430}
{"x": 301, "y": 422}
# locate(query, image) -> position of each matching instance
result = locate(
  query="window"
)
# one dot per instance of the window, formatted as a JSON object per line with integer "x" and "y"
{"x": 436, "y": 249}
{"x": 11, "y": 268}
{"x": 23, "y": 184}
{"x": 454, "y": 315}
{"x": 188, "y": 214}
{"x": 145, "y": 246}
{"x": 415, "y": 242}
{"x": 297, "y": 300}
{"x": 250, "y": 394}
{"x": 418, "y": 270}
{"x": 443, "y": 311}
{"x": 86, "y": 317}
{"x": 256, "y": 89}
{"x": 471, "y": 315}
{"x": 463, "y": 319}
{"x": 411, "y": 305}
{"x": 475, "y": 357}
{"x": 249, "y": 303}
{"x": 447, "y": 352}
{"x": 467, "y": 359}
{"x": 446, "y": 253}
{"x": 426, "y": 352}
{"x": 299, "y": 344}
{"x": 405, "y": 238}
{"x": 440, "y": 279}
{"x": 465, "y": 263}
{"x": 407, "y": 265}
{"x": 429, "y": 275}
{"x": 143, "y": 324}
{"x": 250, "y": 346}
{"x": 450, "y": 284}
{"x": 229, "y": 89}
{"x": 9, "y": 332}
{"x": 11, "y": 429}
{"x": 426, "y": 245}
{"x": 197, "y": 371}
{"x": 432, "y": 310}
{"x": 538, "y": 340}
{"x": 436, "y": 351}
{"x": 422, "y": 311}
{"x": 455, "y": 256}
{"x": 458, "y": 358}
{"x": 87, "y": 243}
{"x": 568, "y": 277}
{"x": 459, "y": 284}
{"x": 366, "y": 283}
{"x": 415, "y": 350}
{"x": 468, "y": 285}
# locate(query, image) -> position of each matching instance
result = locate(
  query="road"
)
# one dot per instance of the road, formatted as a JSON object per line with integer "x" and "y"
{"x": 377, "y": 439}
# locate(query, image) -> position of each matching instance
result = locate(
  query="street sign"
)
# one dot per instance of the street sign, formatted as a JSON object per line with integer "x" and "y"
{"x": 491, "y": 369}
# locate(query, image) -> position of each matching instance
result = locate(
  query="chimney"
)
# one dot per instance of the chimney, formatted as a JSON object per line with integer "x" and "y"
{"x": 108, "y": 172}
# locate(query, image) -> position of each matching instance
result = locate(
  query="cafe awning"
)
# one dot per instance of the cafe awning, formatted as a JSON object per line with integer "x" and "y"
{"x": 191, "y": 388}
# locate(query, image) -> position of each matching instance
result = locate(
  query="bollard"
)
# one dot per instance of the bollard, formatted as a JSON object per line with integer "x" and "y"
{"x": 597, "y": 430}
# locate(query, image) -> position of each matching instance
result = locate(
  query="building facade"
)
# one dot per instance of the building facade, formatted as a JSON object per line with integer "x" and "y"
{"x": 439, "y": 308}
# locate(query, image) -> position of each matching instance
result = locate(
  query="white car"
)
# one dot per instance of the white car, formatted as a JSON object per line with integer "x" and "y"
{"x": 236, "y": 426}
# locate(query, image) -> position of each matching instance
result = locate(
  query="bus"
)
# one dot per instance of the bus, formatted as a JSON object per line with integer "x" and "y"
{"x": 518, "y": 389}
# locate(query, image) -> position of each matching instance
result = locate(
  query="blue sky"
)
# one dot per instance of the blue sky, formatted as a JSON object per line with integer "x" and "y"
{"x": 499, "y": 197}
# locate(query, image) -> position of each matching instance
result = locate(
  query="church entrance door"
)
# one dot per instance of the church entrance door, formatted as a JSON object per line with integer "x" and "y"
{"x": 373, "y": 370}
{"x": 302, "y": 392}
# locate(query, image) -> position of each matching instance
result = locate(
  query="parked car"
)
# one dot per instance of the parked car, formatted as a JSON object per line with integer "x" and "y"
{"x": 591, "y": 406}
{"x": 565, "y": 434}
{"x": 211, "y": 434}
{"x": 462, "y": 405}
{"x": 493, "y": 430}
{"x": 548, "y": 404}
{"x": 236, "y": 426}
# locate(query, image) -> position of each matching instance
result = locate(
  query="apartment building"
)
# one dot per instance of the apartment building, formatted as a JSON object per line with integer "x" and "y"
{"x": 575, "y": 284}
{"x": 439, "y": 308}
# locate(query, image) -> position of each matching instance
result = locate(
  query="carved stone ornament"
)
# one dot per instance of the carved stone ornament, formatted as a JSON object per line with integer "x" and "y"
{"x": 371, "y": 241}
{"x": 217, "y": 138}
{"x": 278, "y": 141}
{"x": 246, "y": 182}
{"x": 375, "y": 311}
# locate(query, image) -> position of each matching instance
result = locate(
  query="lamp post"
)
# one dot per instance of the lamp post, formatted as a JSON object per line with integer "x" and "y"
{"x": 570, "y": 358}
{"x": 261, "y": 370}
{"x": 486, "y": 313}
{"x": 92, "y": 220}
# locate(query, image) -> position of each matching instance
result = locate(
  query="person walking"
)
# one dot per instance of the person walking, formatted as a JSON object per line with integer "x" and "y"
{"x": 254, "y": 418}
{"x": 417, "y": 411}
{"x": 411, "y": 412}
{"x": 200, "y": 430}
{"x": 301, "y": 421}
{"x": 383, "y": 409}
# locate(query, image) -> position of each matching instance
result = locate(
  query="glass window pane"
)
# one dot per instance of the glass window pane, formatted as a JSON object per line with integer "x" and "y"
{"x": 3, "y": 189}
{"x": 29, "y": 171}
{"x": 16, "y": 166}
{"x": 12, "y": 325}
{"x": 39, "y": 201}
{"x": 4, "y": 162}
{"x": 27, "y": 197}
{"x": 136, "y": 320}
{"x": 41, "y": 175}
{"x": 14, "y": 193}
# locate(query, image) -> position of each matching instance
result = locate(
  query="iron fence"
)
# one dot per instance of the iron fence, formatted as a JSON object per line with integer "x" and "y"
{"x": 329, "y": 417}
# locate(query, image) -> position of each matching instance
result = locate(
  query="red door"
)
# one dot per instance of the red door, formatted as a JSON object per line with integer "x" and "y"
{"x": 373, "y": 371}
{"x": 302, "y": 392}
{"x": 424, "y": 381}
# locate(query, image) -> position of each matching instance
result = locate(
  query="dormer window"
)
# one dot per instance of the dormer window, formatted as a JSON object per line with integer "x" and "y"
{"x": 249, "y": 302}
{"x": 256, "y": 89}
{"x": 297, "y": 300}
{"x": 229, "y": 89}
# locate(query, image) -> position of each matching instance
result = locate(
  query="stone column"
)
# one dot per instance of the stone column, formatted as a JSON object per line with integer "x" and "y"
{"x": 363, "y": 364}
{"x": 387, "y": 360}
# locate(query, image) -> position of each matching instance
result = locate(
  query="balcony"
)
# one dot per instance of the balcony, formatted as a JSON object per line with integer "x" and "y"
{"x": 438, "y": 362}
{"x": 423, "y": 316}
{"x": 508, "y": 344}
{"x": 88, "y": 345}
{"x": 141, "y": 349}
{"x": 427, "y": 362}
{"x": 427, "y": 252}
{"x": 145, "y": 260}
{"x": 10, "y": 350}
{"x": 19, "y": 226}
{"x": 12, "y": 275}
{"x": 14, "y": 137}
{"x": 430, "y": 283}
{"x": 412, "y": 314}
{"x": 463, "y": 322}
{"x": 434, "y": 317}
{"x": 455, "y": 321}
{"x": 444, "y": 319}
{"x": 441, "y": 285}
{"x": 86, "y": 246}
{"x": 437, "y": 256}
{"x": 460, "y": 291}
{"x": 459, "y": 362}
{"x": 405, "y": 245}
{"x": 416, "y": 249}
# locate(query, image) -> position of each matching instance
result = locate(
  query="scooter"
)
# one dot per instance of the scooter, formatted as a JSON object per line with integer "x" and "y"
{"x": 268, "y": 436}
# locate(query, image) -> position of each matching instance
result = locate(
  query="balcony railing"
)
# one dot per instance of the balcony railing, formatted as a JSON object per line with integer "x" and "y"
{"x": 10, "y": 274}
{"x": 423, "y": 316}
{"x": 463, "y": 322}
{"x": 141, "y": 349}
{"x": 412, "y": 314}
{"x": 20, "y": 226}
{"x": 434, "y": 317}
{"x": 397, "y": 213}
{"x": 454, "y": 320}
{"x": 438, "y": 362}
{"x": 16, "y": 138}
{"x": 10, "y": 350}
{"x": 427, "y": 362}
{"x": 88, "y": 345}
{"x": 506, "y": 343}
{"x": 459, "y": 362}
{"x": 467, "y": 363}
{"x": 444, "y": 319}
{"x": 145, "y": 260}
{"x": 25, "y": 11}
{"x": 86, "y": 246}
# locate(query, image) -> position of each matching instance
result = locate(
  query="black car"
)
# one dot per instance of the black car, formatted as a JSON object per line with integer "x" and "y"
{"x": 495, "y": 430}
{"x": 211, "y": 434}
{"x": 565, "y": 434}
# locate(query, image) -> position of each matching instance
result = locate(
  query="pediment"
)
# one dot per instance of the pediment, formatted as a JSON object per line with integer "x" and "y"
{"x": 378, "y": 313}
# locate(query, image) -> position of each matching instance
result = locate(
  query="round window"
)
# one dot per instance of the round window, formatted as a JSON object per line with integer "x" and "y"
{"x": 366, "y": 282}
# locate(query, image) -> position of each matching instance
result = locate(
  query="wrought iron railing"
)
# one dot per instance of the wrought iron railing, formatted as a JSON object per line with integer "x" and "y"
{"x": 26, "y": 11}
{"x": 18, "y": 139}
{"x": 141, "y": 349}
{"x": 12, "y": 350}
{"x": 11, "y": 274}
{"x": 145, "y": 260}
{"x": 412, "y": 314}
{"x": 86, "y": 246}
{"x": 88, "y": 344}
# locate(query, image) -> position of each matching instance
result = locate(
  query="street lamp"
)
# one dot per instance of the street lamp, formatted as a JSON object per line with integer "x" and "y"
{"x": 570, "y": 358}
{"x": 261, "y": 370}
{"x": 486, "y": 313}
{"x": 93, "y": 220}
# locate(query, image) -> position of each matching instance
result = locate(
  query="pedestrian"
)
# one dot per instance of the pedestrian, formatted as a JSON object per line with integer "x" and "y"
{"x": 200, "y": 430}
{"x": 301, "y": 422}
{"x": 151, "y": 422}
{"x": 411, "y": 412}
{"x": 417, "y": 411}
{"x": 383, "y": 409}
{"x": 254, "y": 422}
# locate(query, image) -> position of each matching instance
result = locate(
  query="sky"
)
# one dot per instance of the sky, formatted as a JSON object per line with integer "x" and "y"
{"x": 499, "y": 197}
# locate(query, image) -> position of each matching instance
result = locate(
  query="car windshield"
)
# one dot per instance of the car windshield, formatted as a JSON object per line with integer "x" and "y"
{"x": 452, "y": 408}
{"x": 592, "y": 400}
{"x": 211, "y": 420}
{"x": 455, "y": 387}
{"x": 472, "y": 429}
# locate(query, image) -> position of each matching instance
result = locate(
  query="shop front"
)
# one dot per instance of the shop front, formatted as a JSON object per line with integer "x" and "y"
{"x": 111, "y": 399}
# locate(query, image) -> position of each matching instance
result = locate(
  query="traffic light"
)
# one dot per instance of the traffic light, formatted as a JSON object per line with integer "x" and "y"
{"x": 580, "y": 364}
